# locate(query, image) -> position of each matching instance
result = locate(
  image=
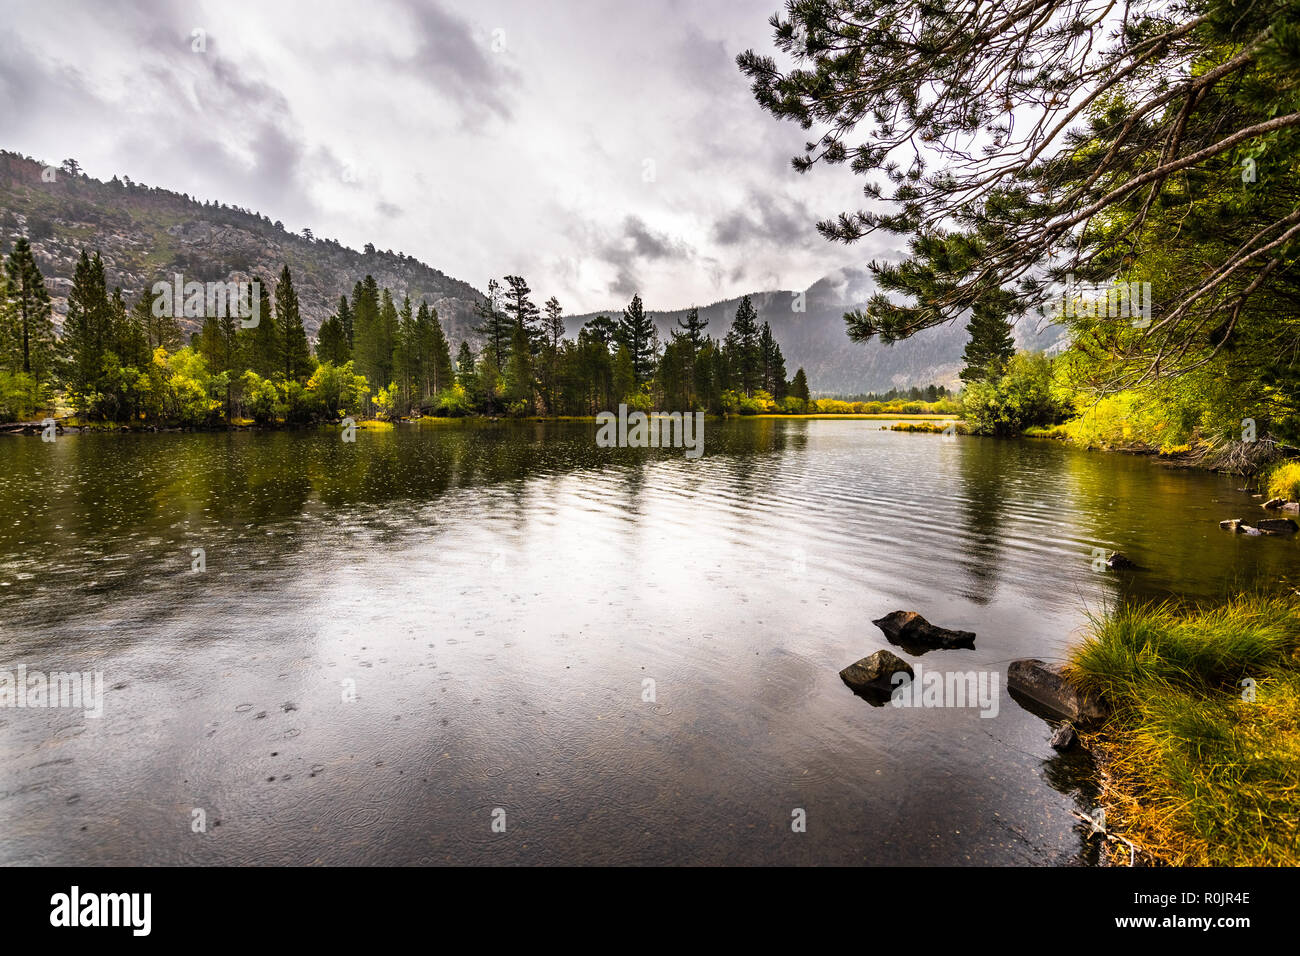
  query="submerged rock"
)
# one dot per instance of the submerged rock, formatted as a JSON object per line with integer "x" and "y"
{"x": 1277, "y": 526}
{"x": 909, "y": 628}
{"x": 1047, "y": 686}
{"x": 1231, "y": 524}
{"x": 874, "y": 674}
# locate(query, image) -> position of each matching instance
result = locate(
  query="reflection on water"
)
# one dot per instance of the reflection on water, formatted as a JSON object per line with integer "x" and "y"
{"x": 498, "y": 594}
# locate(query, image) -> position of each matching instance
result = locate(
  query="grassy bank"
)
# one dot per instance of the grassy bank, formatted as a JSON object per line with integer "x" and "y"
{"x": 1200, "y": 768}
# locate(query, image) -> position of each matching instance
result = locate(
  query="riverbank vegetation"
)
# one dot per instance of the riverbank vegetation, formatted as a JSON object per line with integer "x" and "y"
{"x": 373, "y": 357}
{"x": 1201, "y": 753}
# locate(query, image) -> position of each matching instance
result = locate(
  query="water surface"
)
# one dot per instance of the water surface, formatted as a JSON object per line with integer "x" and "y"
{"x": 497, "y": 595}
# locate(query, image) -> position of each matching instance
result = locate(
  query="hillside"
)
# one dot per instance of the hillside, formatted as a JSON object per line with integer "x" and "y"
{"x": 146, "y": 234}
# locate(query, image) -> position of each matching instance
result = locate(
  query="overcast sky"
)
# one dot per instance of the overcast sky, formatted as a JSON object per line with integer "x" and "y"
{"x": 597, "y": 148}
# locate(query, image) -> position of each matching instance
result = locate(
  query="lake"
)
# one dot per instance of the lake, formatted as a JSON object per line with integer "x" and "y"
{"x": 487, "y": 642}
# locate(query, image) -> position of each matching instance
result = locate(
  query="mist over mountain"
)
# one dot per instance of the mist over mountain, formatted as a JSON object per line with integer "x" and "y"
{"x": 146, "y": 235}
{"x": 815, "y": 340}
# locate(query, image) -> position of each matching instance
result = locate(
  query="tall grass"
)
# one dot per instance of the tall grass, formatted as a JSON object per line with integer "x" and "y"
{"x": 1284, "y": 481}
{"x": 1198, "y": 773}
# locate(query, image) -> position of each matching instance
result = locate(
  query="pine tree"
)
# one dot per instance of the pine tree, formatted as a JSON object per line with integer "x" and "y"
{"x": 406, "y": 355}
{"x": 799, "y": 386}
{"x": 385, "y": 340}
{"x": 554, "y": 330}
{"x": 435, "y": 352}
{"x": 522, "y": 312}
{"x": 519, "y": 370}
{"x": 465, "y": 366}
{"x": 694, "y": 328}
{"x": 773, "y": 363}
{"x": 637, "y": 333}
{"x": 27, "y": 337}
{"x": 744, "y": 355}
{"x": 294, "y": 352}
{"x": 991, "y": 343}
{"x": 333, "y": 339}
{"x": 261, "y": 344}
{"x": 365, "y": 321}
{"x": 86, "y": 328}
{"x": 495, "y": 326}
{"x": 345, "y": 320}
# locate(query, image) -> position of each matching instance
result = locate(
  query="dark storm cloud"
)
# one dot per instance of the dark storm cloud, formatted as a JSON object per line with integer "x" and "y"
{"x": 767, "y": 217}
{"x": 632, "y": 246}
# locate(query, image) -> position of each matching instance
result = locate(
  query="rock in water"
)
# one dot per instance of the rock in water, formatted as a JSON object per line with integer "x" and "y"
{"x": 1064, "y": 737}
{"x": 1120, "y": 562}
{"x": 909, "y": 628}
{"x": 1291, "y": 508}
{"x": 1232, "y": 524}
{"x": 1273, "y": 504}
{"x": 1047, "y": 686}
{"x": 1276, "y": 526}
{"x": 876, "y": 672}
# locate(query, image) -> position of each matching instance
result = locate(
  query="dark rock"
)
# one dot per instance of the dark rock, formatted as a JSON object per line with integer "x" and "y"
{"x": 1277, "y": 526}
{"x": 1232, "y": 524}
{"x": 1047, "y": 686}
{"x": 1065, "y": 737}
{"x": 875, "y": 673}
{"x": 1120, "y": 562}
{"x": 1273, "y": 503}
{"x": 909, "y": 629}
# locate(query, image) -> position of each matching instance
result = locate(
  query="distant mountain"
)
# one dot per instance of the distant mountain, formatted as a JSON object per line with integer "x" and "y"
{"x": 146, "y": 234}
{"x": 816, "y": 341}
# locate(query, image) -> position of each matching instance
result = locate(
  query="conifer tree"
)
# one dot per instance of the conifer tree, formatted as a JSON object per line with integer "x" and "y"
{"x": 744, "y": 354}
{"x": 636, "y": 333}
{"x": 27, "y": 336}
{"x": 991, "y": 344}
{"x": 294, "y": 352}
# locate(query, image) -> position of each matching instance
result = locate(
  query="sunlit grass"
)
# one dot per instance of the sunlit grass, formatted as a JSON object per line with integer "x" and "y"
{"x": 1199, "y": 773}
{"x": 1284, "y": 481}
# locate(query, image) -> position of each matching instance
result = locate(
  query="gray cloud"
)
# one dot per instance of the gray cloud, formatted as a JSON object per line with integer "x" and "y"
{"x": 466, "y": 68}
{"x": 397, "y": 124}
{"x": 767, "y": 217}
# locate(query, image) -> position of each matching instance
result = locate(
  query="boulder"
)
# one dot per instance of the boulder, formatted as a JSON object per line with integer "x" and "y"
{"x": 1247, "y": 529}
{"x": 1120, "y": 562}
{"x": 1277, "y": 526}
{"x": 1291, "y": 508}
{"x": 875, "y": 673}
{"x": 1231, "y": 524}
{"x": 1273, "y": 504}
{"x": 907, "y": 628}
{"x": 1047, "y": 686}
